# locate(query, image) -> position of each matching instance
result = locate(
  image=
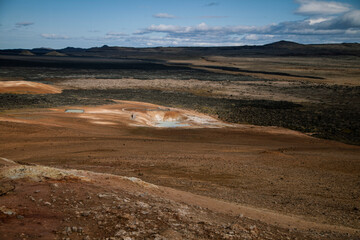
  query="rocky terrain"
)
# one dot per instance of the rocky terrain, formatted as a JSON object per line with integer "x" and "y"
{"x": 324, "y": 110}
{"x": 49, "y": 203}
{"x": 253, "y": 142}
{"x": 221, "y": 171}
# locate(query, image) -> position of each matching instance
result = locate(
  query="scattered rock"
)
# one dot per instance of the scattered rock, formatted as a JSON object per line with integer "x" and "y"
{"x": 142, "y": 204}
{"x": 7, "y": 211}
{"x": 85, "y": 213}
{"x": 5, "y": 188}
{"x": 68, "y": 230}
{"x": 120, "y": 233}
{"x": 104, "y": 195}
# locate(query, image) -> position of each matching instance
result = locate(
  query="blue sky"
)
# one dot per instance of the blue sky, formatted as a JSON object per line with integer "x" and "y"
{"x": 148, "y": 23}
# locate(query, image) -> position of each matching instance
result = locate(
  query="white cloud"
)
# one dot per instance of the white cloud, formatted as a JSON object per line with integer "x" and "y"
{"x": 318, "y": 20}
{"x": 335, "y": 23}
{"x": 23, "y": 24}
{"x": 256, "y": 37}
{"x": 54, "y": 36}
{"x": 311, "y": 7}
{"x": 350, "y": 31}
{"x": 320, "y": 26}
{"x": 198, "y": 29}
{"x": 353, "y": 18}
{"x": 163, "y": 15}
{"x": 350, "y": 20}
{"x": 156, "y": 40}
{"x": 345, "y": 27}
{"x": 163, "y": 28}
{"x": 115, "y": 35}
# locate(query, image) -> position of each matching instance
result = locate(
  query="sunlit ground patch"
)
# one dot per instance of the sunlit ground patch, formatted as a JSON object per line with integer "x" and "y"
{"x": 171, "y": 124}
{"x": 74, "y": 111}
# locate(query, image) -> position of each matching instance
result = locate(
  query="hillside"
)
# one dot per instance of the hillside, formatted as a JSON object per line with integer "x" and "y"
{"x": 281, "y": 48}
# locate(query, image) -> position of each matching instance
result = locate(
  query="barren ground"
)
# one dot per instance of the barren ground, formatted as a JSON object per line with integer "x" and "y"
{"x": 263, "y": 167}
{"x": 341, "y": 71}
{"x": 113, "y": 172}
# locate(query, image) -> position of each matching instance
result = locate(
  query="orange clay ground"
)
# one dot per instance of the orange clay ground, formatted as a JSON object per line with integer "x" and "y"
{"x": 26, "y": 87}
{"x": 284, "y": 183}
{"x": 136, "y": 170}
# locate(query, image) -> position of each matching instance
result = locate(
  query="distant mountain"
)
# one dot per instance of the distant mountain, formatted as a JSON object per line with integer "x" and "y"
{"x": 284, "y": 44}
{"x": 55, "y": 53}
{"x": 26, "y": 53}
{"x": 41, "y": 51}
{"x": 281, "y": 48}
{"x": 72, "y": 49}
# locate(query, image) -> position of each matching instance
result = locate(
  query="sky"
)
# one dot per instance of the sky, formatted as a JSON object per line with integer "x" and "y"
{"x": 150, "y": 23}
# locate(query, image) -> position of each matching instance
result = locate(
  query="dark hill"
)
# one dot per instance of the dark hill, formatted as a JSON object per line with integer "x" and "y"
{"x": 41, "y": 51}
{"x": 284, "y": 44}
{"x": 281, "y": 48}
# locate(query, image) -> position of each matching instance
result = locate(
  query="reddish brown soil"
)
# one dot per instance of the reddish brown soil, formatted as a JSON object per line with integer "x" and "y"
{"x": 103, "y": 206}
{"x": 26, "y": 87}
{"x": 287, "y": 184}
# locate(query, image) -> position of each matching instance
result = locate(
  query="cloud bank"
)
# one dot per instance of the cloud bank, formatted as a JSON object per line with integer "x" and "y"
{"x": 116, "y": 34}
{"x": 309, "y": 7}
{"x": 54, "y": 36}
{"x": 325, "y": 21}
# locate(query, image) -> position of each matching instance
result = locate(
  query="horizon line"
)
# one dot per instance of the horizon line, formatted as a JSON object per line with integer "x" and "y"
{"x": 105, "y": 45}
